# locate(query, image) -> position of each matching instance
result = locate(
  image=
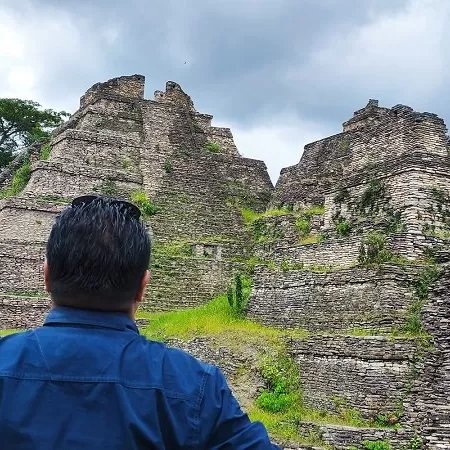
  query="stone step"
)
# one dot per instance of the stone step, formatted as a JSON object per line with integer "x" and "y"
{"x": 342, "y": 437}
{"x": 368, "y": 374}
{"x": 70, "y": 180}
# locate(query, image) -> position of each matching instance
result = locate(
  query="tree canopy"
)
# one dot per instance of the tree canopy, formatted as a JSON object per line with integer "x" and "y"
{"x": 23, "y": 122}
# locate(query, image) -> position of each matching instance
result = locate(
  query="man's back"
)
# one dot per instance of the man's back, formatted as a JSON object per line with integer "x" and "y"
{"x": 89, "y": 380}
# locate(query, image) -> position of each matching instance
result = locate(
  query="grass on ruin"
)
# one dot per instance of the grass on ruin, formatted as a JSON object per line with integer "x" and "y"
{"x": 280, "y": 405}
{"x": 10, "y": 331}
{"x": 18, "y": 182}
{"x": 216, "y": 318}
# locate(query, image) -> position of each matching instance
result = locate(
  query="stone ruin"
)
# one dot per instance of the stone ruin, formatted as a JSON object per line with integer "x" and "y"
{"x": 352, "y": 244}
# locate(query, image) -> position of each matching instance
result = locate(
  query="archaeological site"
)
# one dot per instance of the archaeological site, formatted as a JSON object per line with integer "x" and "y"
{"x": 338, "y": 277}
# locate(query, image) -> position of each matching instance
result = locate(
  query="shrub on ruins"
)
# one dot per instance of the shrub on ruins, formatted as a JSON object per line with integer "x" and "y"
{"x": 23, "y": 122}
{"x": 238, "y": 293}
{"x": 213, "y": 147}
{"x": 142, "y": 201}
{"x": 168, "y": 168}
{"x": 373, "y": 249}
{"x": 283, "y": 385}
{"x": 371, "y": 195}
{"x": 343, "y": 227}
{"x": 44, "y": 153}
{"x": 303, "y": 224}
{"x": 376, "y": 445}
{"x": 426, "y": 278}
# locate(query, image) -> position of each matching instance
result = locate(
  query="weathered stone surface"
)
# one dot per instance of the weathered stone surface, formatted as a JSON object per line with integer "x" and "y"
{"x": 370, "y": 374}
{"x": 348, "y": 298}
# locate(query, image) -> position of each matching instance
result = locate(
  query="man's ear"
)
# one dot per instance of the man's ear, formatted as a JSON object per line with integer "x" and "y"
{"x": 141, "y": 291}
{"x": 47, "y": 277}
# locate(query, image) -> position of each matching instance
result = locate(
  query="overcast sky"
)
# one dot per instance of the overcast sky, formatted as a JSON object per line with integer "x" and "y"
{"x": 280, "y": 73}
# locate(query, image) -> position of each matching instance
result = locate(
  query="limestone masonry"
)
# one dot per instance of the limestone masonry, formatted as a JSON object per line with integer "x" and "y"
{"x": 352, "y": 244}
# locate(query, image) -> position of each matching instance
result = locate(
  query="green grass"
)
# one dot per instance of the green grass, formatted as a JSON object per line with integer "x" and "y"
{"x": 250, "y": 216}
{"x": 216, "y": 318}
{"x": 45, "y": 152}
{"x": 213, "y": 147}
{"x": 18, "y": 182}
{"x": 311, "y": 239}
{"x": 10, "y": 331}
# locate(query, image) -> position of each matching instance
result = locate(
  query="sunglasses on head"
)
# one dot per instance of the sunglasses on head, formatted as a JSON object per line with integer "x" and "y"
{"x": 128, "y": 208}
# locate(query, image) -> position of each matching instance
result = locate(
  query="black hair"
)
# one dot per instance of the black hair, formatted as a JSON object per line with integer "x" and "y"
{"x": 97, "y": 254}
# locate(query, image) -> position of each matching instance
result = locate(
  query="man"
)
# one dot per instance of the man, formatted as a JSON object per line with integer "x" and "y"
{"x": 87, "y": 379}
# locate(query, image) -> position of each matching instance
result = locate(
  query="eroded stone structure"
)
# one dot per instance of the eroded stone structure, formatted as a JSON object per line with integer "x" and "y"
{"x": 353, "y": 246}
{"x": 365, "y": 264}
{"x": 119, "y": 143}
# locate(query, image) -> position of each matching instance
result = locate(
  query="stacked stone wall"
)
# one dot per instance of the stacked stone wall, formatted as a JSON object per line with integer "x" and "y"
{"x": 21, "y": 266}
{"x": 370, "y": 374}
{"x": 348, "y": 298}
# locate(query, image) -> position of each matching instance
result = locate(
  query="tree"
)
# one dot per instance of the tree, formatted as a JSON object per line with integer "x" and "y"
{"x": 23, "y": 122}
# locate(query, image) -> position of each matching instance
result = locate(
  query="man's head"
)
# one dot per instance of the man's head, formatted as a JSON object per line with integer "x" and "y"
{"x": 97, "y": 256}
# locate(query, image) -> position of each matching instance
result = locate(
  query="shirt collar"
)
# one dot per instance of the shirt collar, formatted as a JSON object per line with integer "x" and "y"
{"x": 77, "y": 316}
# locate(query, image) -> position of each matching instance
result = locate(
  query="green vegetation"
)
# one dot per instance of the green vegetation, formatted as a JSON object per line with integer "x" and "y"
{"x": 303, "y": 225}
{"x": 238, "y": 294}
{"x": 168, "y": 166}
{"x": 373, "y": 250}
{"x": 54, "y": 199}
{"x": 250, "y": 216}
{"x": 416, "y": 443}
{"x": 10, "y": 331}
{"x": 264, "y": 231}
{"x": 23, "y": 122}
{"x": 45, "y": 152}
{"x": 343, "y": 227}
{"x": 287, "y": 266}
{"x": 18, "y": 182}
{"x": 179, "y": 248}
{"x": 216, "y": 318}
{"x": 422, "y": 285}
{"x": 376, "y": 445}
{"x": 213, "y": 147}
{"x": 280, "y": 405}
{"x": 283, "y": 384}
{"x": 372, "y": 194}
{"x": 393, "y": 222}
{"x": 141, "y": 200}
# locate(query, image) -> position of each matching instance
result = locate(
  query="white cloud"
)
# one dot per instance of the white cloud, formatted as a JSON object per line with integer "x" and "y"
{"x": 278, "y": 144}
{"x": 42, "y": 47}
{"x": 402, "y": 55}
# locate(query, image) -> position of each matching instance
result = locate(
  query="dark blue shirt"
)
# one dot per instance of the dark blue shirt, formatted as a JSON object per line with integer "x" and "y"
{"x": 89, "y": 380}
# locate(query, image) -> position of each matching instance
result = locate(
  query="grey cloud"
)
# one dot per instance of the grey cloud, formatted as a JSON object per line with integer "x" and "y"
{"x": 250, "y": 62}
